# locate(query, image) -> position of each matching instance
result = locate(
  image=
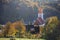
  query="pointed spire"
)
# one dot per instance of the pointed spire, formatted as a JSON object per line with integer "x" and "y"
{"x": 40, "y": 10}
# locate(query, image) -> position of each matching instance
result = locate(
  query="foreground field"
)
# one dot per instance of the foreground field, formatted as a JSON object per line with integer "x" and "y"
{"x": 19, "y": 39}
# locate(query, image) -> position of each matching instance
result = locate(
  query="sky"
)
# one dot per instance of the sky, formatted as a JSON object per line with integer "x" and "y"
{"x": 14, "y": 10}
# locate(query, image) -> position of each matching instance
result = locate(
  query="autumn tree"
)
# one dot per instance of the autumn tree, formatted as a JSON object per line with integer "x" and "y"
{"x": 51, "y": 25}
{"x": 1, "y": 31}
{"x": 52, "y": 22}
{"x": 6, "y": 28}
{"x": 15, "y": 27}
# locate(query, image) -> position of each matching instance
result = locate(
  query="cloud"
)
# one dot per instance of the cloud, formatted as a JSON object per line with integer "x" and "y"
{"x": 29, "y": 3}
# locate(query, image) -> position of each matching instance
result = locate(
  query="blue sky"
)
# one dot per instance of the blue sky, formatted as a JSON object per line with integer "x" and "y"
{"x": 14, "y": 12}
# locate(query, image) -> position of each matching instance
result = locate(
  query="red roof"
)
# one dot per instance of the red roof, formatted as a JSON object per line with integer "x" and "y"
{"x": 39, "y": 21}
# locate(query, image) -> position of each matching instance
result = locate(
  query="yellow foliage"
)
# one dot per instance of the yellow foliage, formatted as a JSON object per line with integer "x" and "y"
{"x": 12, "y": 28}
{"x": 1, "y": 33}
{"x": 53, "y": 19}
{"x": 52, "y": 22}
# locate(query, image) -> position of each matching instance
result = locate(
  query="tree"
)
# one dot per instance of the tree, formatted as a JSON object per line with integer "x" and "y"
{"x": 6, "y": 29}
{"x": 51, "y": 25}
{"x": 15, "y": 27}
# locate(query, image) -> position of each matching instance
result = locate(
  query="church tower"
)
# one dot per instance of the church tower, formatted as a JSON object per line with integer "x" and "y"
{"x": 40, "y": 19}
{"x": 40, "y": 12}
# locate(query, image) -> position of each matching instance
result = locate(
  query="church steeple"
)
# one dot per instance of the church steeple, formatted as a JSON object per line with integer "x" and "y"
{"x": 40, "y": 19}
{"x": 40, "y": 12}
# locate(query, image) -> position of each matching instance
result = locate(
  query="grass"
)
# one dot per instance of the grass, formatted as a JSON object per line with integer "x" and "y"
{"x": 19, "y": 39}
